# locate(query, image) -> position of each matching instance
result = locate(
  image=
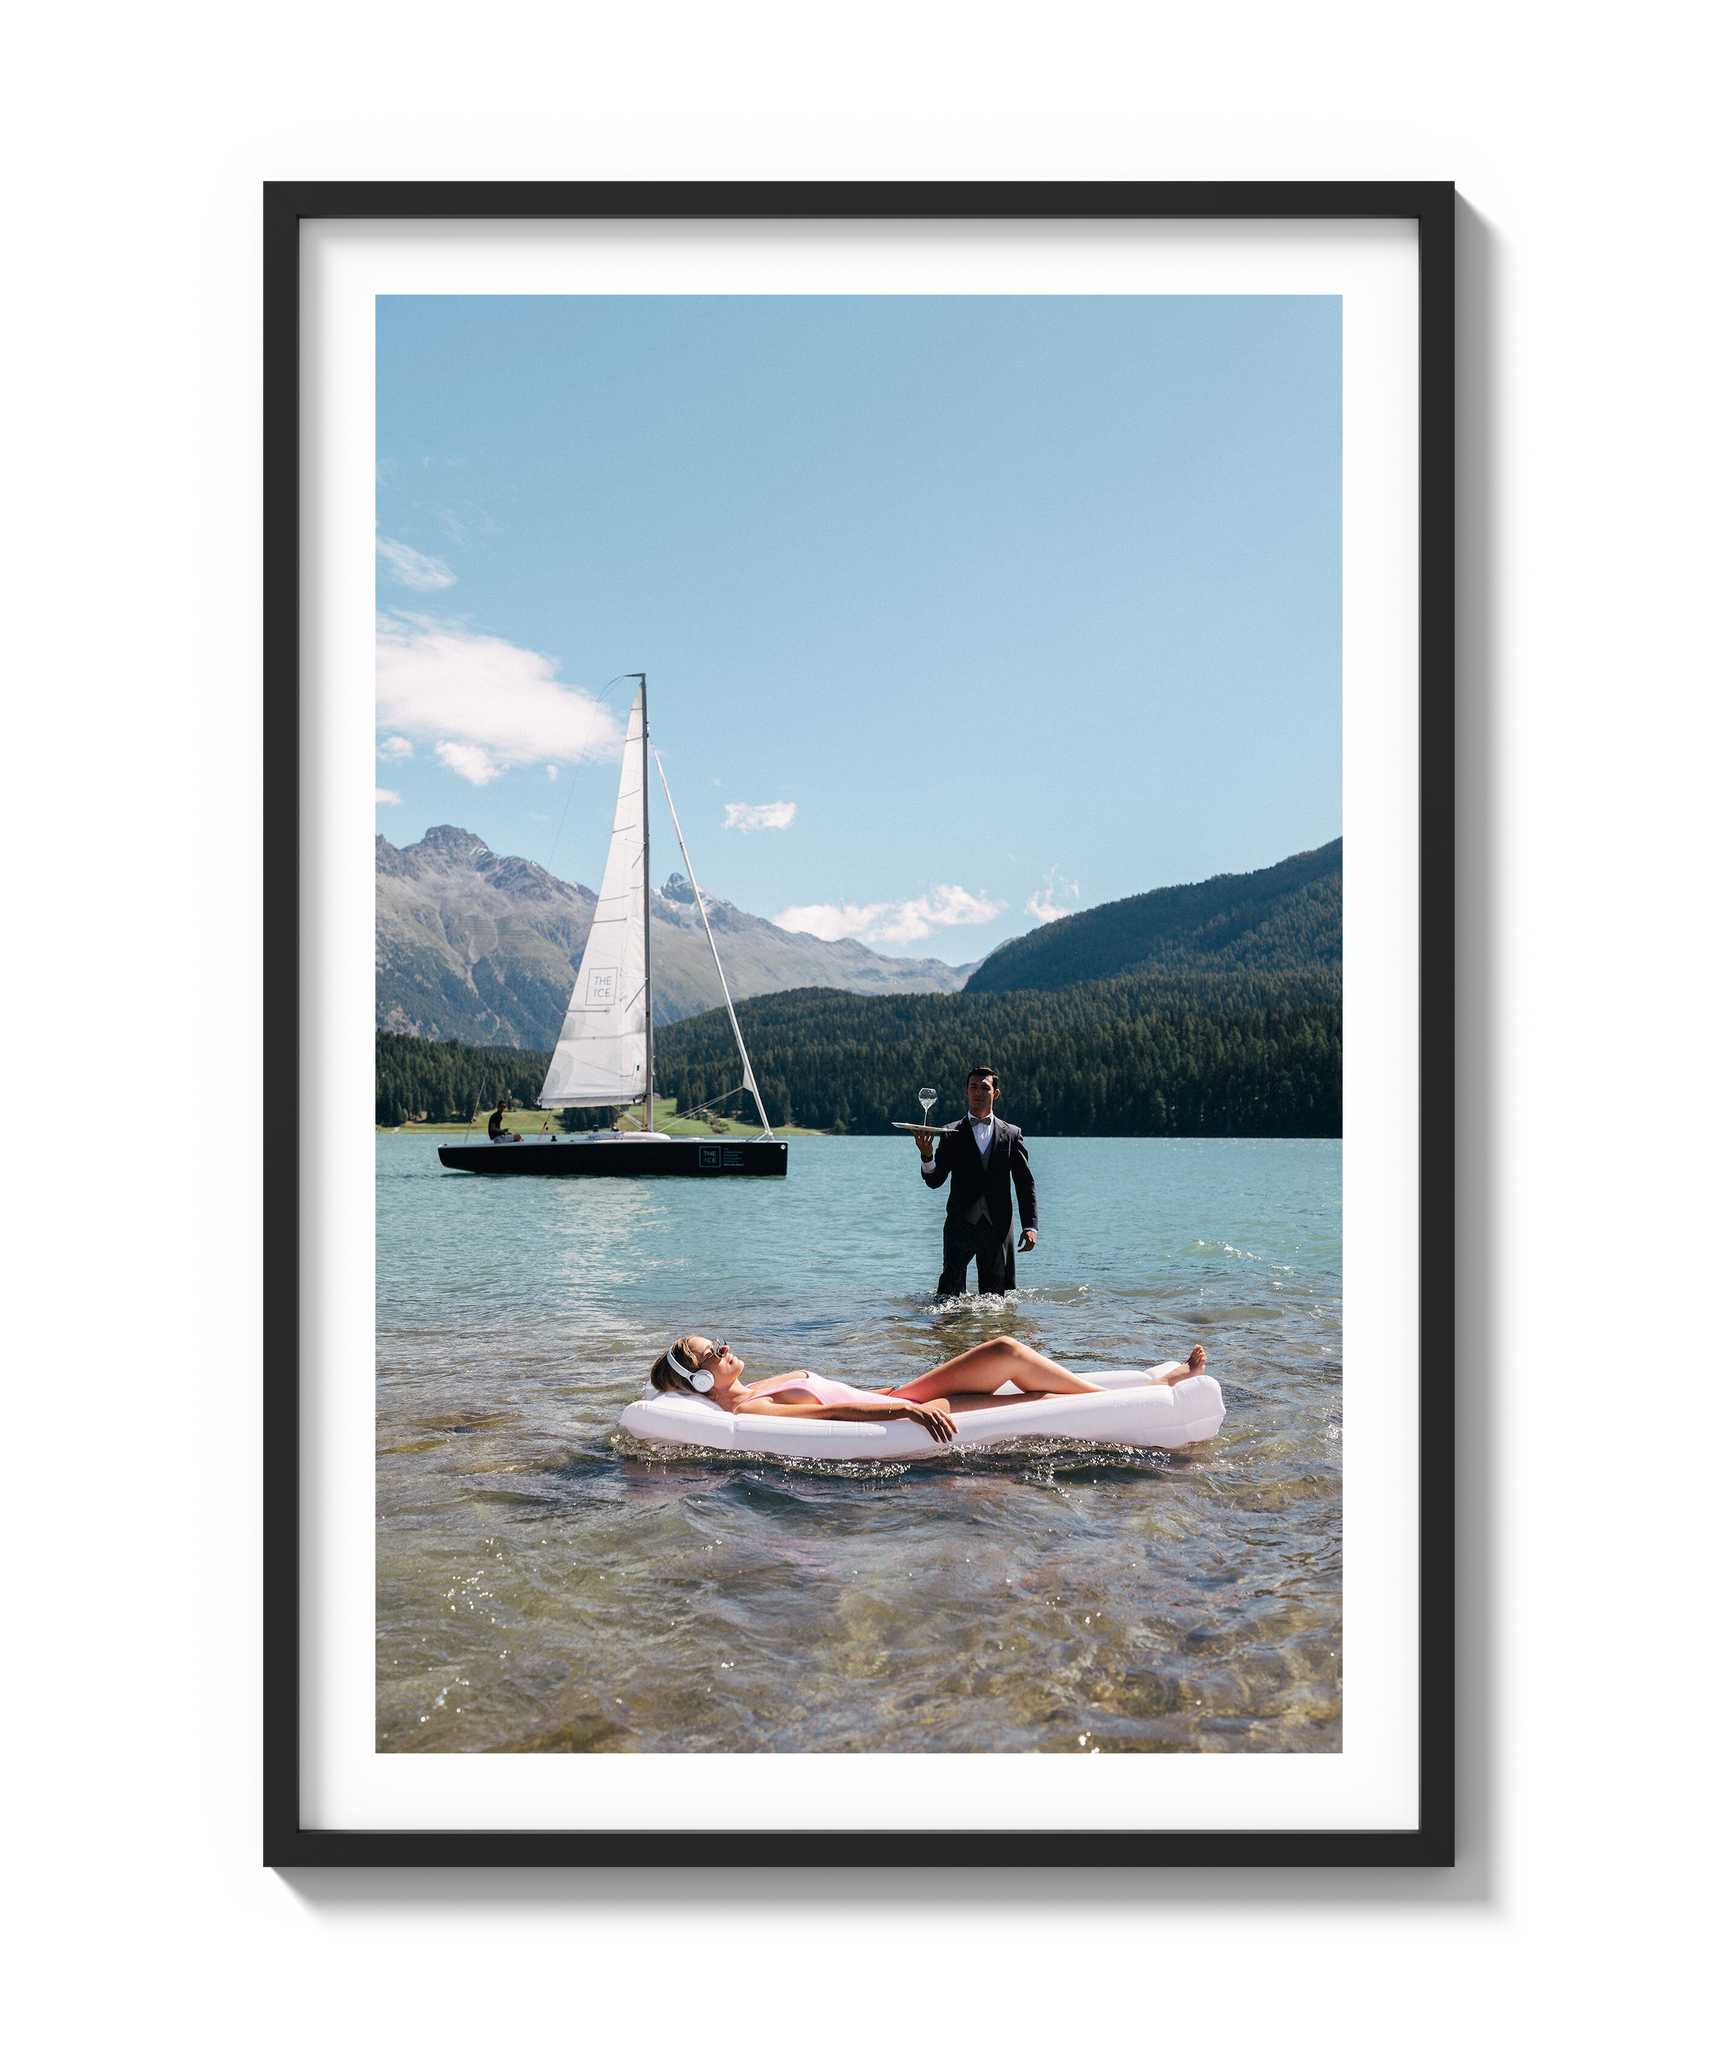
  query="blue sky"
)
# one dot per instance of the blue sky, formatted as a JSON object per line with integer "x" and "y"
{"x": 959, "y": 613}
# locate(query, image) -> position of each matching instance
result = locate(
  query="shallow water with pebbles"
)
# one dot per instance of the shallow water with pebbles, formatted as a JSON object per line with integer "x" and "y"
{"x": 546, "y": 1582}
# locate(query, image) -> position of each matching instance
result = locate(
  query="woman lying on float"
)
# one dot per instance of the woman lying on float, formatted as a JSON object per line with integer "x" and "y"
{"x": 693, "y": 1365}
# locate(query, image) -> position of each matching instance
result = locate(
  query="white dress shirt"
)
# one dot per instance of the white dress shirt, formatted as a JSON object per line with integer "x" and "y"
{"x": 983, "y": 1130}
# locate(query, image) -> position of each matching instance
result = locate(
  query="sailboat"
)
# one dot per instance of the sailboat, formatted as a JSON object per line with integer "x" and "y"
{"x": 605, "y": 1057}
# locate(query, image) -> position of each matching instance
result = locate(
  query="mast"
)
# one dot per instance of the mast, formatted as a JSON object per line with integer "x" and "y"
{"x": 649, "y": 1007}
{"x": 745, "y": 1063}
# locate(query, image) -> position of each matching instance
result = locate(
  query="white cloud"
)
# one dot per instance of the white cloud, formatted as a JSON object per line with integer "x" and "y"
{"x": 482, "y": 703}
{"x": 476, "y": 764}
{"x": 1043, "y": 903}
{"x": 552, "y": 771}
{"x": 891, "y": 924}
{"x": 760, "y": 817}
{"x": 417, "y": 572}
{"x": 832, "y": 920}
{"x": 387, "y": 796}
{"x": 394, "y": 749}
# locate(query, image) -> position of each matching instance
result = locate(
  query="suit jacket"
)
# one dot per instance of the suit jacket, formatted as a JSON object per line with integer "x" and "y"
{"x": 971, "y": 1174}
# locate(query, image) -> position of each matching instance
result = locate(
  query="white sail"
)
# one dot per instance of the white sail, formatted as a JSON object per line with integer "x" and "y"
{"x": 603, "y": 1056}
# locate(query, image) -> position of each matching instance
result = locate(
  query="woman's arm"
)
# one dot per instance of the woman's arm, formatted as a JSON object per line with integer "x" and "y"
{"x": 931, "y": 1416}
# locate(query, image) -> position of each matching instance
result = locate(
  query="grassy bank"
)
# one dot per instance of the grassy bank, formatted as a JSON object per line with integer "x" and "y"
{"x": 529, "y": 1123}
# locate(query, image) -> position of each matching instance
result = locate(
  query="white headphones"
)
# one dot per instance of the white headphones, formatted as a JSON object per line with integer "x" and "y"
{"x": 702, "y": 1381}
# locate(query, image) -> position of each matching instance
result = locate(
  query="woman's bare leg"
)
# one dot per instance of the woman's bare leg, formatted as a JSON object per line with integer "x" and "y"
{"x": 988, "y": 1366}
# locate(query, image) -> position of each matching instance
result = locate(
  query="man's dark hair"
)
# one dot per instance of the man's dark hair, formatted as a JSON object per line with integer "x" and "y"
{"x": 987, "y": 1073}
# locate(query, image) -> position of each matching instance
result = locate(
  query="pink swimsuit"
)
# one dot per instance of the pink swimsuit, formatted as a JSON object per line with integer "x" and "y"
{"x": 833, "y": 1393}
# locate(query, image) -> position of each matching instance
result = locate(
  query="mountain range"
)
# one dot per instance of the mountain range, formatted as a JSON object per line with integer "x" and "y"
{"x": 483, "y": 947}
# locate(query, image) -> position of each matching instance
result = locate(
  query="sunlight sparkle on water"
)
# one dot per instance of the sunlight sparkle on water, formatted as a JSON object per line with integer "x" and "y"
{"x": 747, "y": 1603}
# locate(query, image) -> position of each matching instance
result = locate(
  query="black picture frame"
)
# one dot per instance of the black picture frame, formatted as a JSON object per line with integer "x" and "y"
{"x": 286, "y": 207}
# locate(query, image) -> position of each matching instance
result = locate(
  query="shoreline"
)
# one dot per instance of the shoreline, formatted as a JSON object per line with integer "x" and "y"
{"x": 530, "y": 1125}
{"x": 681, "y": 1127}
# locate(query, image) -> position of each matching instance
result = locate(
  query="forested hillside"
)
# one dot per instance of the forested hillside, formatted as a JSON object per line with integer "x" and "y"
{"x": 1282, "y": 919}
{"x": 1187, "y": 1056}
{"x": 1144, "y": 1058}
{"x": 444, "y": 1082}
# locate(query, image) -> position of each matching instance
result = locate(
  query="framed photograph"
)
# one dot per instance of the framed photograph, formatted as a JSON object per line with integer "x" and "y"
{"x": 900, "y": 947}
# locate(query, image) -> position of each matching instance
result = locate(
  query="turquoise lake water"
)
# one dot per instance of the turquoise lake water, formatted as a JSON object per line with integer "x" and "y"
{"x": 546, "y": 1582}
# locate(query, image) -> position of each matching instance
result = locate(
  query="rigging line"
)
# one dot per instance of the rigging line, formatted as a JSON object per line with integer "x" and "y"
{"x": 746, "y": 1074}
{"x": 714, "y": 1099}
{"x": 579, "y": 769}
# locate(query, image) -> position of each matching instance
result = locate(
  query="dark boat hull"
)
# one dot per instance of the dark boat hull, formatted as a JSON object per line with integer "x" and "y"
{"x": 696, "y": 1158}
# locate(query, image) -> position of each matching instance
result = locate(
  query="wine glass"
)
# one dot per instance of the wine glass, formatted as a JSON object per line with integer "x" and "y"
{"x": 926, "y": 1097}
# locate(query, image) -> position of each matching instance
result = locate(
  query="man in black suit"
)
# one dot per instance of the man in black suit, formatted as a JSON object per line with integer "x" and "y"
{"x": 980, "y": 1157}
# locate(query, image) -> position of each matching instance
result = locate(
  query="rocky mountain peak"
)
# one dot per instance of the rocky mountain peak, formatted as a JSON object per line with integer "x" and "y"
{"x": 451, "y": 843}
{"x": 483, "y": 947}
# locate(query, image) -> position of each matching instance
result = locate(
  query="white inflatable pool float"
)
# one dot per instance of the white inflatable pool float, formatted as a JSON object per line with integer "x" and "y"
{"x": 1132, "y": 1409}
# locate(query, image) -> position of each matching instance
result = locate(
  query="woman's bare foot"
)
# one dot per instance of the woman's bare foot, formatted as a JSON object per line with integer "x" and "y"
{"x": 1195, "y": 1365}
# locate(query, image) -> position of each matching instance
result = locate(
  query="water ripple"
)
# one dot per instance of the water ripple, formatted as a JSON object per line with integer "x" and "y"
{"x": 548, "y": 1583}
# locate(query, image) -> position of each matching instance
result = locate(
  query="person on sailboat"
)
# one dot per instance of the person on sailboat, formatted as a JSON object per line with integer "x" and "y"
{"x": 695, "y": 1365}
{"x": 980, "y": 1157}
{"x": 498, "y": 1136}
